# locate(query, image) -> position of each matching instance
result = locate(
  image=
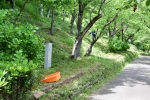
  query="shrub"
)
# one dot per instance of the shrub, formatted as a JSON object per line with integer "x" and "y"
{"x": 18, "y": 80}
{"x": 19, "y": 49}
{"x": 145, "y": 47}
{"x": 2, "y": 79}
{"x": 117, "y": 45}
{"x": 18, "y": 37}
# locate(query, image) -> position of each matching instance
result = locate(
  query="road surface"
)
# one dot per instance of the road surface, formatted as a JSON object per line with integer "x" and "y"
{"x": 133, "y": 83}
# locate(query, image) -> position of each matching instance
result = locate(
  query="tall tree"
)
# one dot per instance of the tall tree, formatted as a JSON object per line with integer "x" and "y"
{"x": 80, "y": 33}
{"x": 73, "y": 17}
{"x": 89, "y": 50}
{"x": 53, "y": 6}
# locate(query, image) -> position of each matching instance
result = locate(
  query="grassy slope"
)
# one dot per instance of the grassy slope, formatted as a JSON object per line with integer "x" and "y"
{"x": 62, "y": 46}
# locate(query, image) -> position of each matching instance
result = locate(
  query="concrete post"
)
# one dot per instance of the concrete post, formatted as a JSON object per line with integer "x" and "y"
{"x": 48, "y": 55}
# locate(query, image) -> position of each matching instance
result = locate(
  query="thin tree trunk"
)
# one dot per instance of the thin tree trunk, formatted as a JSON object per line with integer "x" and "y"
{"x": 100, "y": 6}
{"x": 109, "y": 31}
{"x": 77, "y": 43}
{"x": 79, "y": 21}
{"x": 89, "y": 50}
{"x": 114, "y": 30}
{"x": 76, "y": 49}
{"x": 122, "y": 38}
{"x": 73, "y": 16}
{"x": 21, "y": 11}
{"x": 52, "y": 22}
{"x": 130, "y": 37}
{"x": 48, "y": 13}
{"x": 12, "y": 3}
{"x": 91, "y": 13}
{"x": 64, "y": 15}
{"x": 79, "y": 34}
{"x": 41, "y": 10}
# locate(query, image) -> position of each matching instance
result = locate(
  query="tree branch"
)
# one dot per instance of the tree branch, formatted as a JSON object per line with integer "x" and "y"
{"x": 89, "y": 25}
{"x": 108, "y": 23}
{"x": 21, "y": 11}
{"x": 100, "y": 7}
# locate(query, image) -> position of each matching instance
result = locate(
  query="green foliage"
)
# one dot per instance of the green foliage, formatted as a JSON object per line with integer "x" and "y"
{"x": 18, "y": 47}
{"x": 18, "y": 37}
{"x": 117, "y": 45}
{"x": 147, "y": 2}
{"x": 17, "y": 81}
{"x": 143, "y": 44}
{"x": 145, "y": 47}
{"x": 138, "y": 1}
{"x": 2, "y": 79}
{"x": 3, "y": 4}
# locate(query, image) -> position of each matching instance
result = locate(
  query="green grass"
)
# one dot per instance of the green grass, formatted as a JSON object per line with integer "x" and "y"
{"x": 62, "y": 46}
{"x": 113, "y": 67}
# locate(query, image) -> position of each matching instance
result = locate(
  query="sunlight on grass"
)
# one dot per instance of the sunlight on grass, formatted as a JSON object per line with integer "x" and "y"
{"x": 133, "y": 48}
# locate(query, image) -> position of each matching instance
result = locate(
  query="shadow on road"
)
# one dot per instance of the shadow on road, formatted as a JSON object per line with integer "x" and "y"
{"x": 136, "y": 73}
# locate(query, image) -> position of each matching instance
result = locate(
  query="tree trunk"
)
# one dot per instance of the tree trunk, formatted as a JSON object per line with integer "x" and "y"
{"x": 63, "y": 16}
{"x": 79, "y": 34}
{"x": 109, "y": 31}
{"x": 78, "y": 41}
{"x": 113, "y": 32}
{"x": 20, "y": 11}
{"x": 80, "y": 16}
{"x": 122, "y": 38}
{"x": 52, "y": 23}
{"x": 48, "y": 13}
{"x": 76, "y": 49}
{"x": 130, "y": 37}
{"x": 73, "y": 16}
{"x": 89, "y": 50}
{"x": 90, "y": 15}
{"x": 41, "y": 10}
{"x": 79, "y": 38}
{"x": 12, "y": 3}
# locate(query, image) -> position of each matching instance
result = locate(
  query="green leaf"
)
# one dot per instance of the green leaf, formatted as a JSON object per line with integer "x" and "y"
{"x": 138, "y": 1}
{"x": 147, "y": 2}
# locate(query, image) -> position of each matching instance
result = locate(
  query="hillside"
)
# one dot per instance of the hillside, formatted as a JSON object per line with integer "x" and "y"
{"x": 81, "y": 76}
{"x": 62, "y": 43}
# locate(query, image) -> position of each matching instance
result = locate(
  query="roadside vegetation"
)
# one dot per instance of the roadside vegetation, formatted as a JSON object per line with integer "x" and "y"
{"x": 26, "y": 26}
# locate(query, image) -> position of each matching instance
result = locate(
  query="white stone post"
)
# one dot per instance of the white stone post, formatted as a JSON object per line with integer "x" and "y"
{"x": 48, "y": 55}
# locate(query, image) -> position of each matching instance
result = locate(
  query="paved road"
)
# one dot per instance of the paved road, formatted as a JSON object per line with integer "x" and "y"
{"x": 131, "y": 84}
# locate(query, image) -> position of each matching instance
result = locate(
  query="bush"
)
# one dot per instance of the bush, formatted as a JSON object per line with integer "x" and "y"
{"x": 17, "y": 82}
{"x": 145, "y": 47}
{"x": 16, "y": 77}
{"x": 19, "y": 49}
{"x": 18, "y": 37}
{"x": 2, "y": 79}
{"x": 117, "y": 45}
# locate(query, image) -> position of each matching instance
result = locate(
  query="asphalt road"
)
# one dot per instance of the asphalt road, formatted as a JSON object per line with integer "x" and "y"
{"x": 133, "y": 83}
